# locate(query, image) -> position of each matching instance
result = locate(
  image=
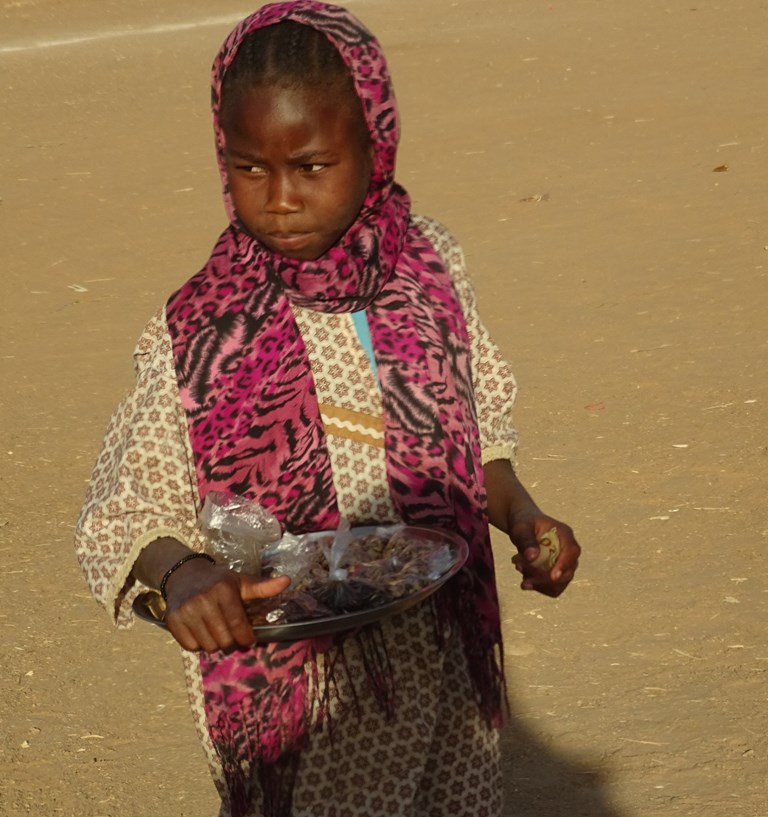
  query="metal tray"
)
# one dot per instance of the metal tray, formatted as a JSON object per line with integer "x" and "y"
{"x": 145, "y": 606}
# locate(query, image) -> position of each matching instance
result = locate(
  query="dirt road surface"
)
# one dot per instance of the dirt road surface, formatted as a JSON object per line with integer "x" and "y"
{"x": 604, "y": 164}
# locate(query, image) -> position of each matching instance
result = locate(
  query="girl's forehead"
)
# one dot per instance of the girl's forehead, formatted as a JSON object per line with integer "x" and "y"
{"x": 359, "y": 50}
{"x": 273, "y": 113}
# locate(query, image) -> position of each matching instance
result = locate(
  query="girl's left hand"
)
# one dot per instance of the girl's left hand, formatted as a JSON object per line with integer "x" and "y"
{"x": 526, "y": 529}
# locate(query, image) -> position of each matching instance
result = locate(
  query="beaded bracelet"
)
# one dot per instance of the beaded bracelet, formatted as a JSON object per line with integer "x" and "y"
{"x": 178, "y": 564}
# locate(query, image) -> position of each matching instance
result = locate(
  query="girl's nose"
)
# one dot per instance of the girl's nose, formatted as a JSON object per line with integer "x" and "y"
{"x": 282, "y": 196}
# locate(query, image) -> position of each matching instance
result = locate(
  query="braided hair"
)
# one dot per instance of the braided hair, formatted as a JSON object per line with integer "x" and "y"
{"x": 289, "y": 55}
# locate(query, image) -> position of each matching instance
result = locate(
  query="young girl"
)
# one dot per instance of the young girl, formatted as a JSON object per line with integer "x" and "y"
{"x": 327, "y": 361}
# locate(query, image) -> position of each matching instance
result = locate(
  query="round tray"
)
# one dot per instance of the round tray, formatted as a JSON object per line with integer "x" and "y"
{"x": 146, "y": 607}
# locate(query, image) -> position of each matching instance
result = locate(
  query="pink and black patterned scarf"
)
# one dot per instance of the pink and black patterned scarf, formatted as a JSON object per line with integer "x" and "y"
{"x": 255, "y": 425}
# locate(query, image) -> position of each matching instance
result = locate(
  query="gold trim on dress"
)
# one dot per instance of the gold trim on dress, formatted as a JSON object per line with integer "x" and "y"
{"x": 354, "y": 425}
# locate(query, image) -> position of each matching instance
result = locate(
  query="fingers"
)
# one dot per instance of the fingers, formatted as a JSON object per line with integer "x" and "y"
{"x": 192, "y": 637}
{"x": 252, "y": 588}
{"x": 552, "y": 582}
{"x": 183, "y": 635}
{"x": 527, "y": 544}
{"x": 545, "y": 585}
{"x": 568, "y": 560}
{"x": 210, "y": 617}
{"x": 210, "y": 635}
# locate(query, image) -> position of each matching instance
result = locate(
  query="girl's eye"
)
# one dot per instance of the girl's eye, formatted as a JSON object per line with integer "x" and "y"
{"x": 254, "y": 170}
{"x": 313, "y": 167}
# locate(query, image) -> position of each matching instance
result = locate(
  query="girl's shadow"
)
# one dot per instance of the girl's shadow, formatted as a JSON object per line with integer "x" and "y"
{"x": 537, "y": 782}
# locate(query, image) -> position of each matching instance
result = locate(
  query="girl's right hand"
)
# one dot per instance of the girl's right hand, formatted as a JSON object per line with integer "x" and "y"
{"x": 204, "y": 607}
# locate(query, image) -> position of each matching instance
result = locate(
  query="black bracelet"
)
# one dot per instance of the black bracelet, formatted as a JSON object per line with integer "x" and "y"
{"x": 178, "y": 564}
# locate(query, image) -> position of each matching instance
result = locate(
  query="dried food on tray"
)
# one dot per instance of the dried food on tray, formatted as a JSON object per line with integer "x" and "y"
{"x": 339, "y": 579}
{"x": 347, "y": 571}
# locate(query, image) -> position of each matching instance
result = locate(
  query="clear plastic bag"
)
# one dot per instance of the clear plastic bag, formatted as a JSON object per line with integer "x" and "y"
{"x": 350, "y": 570}
{"x": 332, "y": 572}
{"x": 238, "y": 530}
{"x": 290, "y": 556}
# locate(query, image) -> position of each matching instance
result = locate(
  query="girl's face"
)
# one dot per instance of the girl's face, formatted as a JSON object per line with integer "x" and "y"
{"x": 298, "y": 167}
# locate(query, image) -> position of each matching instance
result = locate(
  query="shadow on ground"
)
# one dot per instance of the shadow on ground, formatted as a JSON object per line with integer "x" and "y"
{"x": 539, "y": 782}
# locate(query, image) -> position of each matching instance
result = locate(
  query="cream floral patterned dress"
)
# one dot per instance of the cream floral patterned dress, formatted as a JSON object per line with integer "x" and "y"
{"x": 435, "y": 757}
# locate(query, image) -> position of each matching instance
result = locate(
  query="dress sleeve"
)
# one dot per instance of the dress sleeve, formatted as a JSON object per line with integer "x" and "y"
{"x": 494, "y": 383}
{"x": 143, "y": 485}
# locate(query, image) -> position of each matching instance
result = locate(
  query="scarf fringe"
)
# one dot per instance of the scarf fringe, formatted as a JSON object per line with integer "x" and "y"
{"x": 259, "y": 740}
{"x": 331, "y": 688}
{"x": 378, "y": 667}
{"x": 256, "y": 744}
{"x": 278, "y": 781}
{"x": 484, "y": 655}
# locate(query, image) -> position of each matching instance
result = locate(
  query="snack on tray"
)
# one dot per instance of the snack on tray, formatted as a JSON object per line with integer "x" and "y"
{"x": 285, "y": 609}
{"x": 340, "y": 573}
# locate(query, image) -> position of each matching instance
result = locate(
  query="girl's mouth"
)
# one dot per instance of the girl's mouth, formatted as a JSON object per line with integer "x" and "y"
{"x": 285, "y": 242}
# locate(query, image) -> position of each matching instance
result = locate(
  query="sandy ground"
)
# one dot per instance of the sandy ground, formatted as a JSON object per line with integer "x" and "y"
{"x": 604, "y": 164}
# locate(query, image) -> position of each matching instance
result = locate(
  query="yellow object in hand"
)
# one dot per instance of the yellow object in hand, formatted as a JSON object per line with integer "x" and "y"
{"x": 549, "y": 550}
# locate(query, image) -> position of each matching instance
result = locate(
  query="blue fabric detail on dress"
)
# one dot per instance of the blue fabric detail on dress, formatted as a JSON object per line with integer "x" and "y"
{"x": 360, "y": 320}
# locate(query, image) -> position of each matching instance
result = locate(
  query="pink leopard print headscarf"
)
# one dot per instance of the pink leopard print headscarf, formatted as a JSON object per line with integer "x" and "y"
{"x": 255, "y": 425}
